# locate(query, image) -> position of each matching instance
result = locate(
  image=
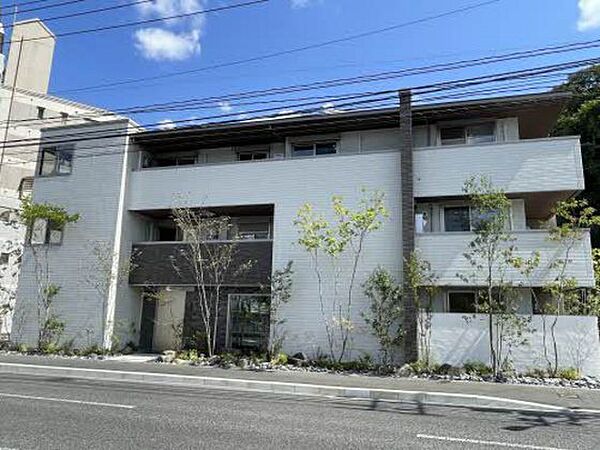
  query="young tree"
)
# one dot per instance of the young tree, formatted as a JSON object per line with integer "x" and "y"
{"x": 99, "y": 275}
{"x": 281, "y": 294}
{"x": 53, "y": 219}
{"x": 211, "y": 264}
{"x": 344, "y": 238}
{"x": 384, "y": 315}
{"x": 573, "y": 217}
{"x": 490, "y": 254}
{"x": 422, "y": 282}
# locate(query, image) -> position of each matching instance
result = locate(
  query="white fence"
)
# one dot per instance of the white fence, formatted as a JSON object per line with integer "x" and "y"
{"x": 455, "y": 340}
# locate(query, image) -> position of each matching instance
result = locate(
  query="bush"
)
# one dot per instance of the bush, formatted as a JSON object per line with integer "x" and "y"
{"x": 188, "y": 355}
{"x": 536, "y": 373}
{"x": 477, "y": 368}
{"x": 421, "y": 367}
{"x": 50, "y": 348}
{"x": 569, "y": 373}
{"x": 22, "y": 348}
{"x": 280, "y": 360}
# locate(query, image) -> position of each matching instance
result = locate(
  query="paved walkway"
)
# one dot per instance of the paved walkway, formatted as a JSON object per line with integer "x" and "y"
{"x": 564, "y": 397}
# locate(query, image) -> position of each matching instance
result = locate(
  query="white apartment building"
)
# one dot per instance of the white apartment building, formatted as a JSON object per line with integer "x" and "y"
{"x": 26, "y": 108}
{"x": 260, "y": 173}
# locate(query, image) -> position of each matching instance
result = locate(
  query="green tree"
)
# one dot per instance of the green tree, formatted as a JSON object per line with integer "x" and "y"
{"x": 581, "y": 116}
{"x": 55, "y": 218}
{"x": 342, "y": 239}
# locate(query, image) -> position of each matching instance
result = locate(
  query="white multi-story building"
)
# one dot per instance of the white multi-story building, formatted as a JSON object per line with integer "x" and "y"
{"x": 260, "y": 173}
{"x": 26, "y": 108}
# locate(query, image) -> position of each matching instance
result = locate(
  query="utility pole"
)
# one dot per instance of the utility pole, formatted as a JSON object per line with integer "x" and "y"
{"x": 411, "y": 350}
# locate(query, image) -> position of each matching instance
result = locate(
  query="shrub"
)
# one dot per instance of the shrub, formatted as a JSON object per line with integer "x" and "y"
{"x": 421, "y": 367}
{"x": 22, "y": 348}
{"x": 281, "y": 359}
{"x": 50, "y": 348}
{"x": 569, "y": 373}
{"x": 536, "y": 373}
{"x": 477, "y": 368}
{"x": 188, "y": 355}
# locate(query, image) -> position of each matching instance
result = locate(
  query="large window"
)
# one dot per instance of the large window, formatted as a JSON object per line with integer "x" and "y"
{"x": 315, "y": 149}
{"x": 457, "y": 218}
{"x": 252, "y": 155}
{"x": 56, "y": 161}
{"x": 462, "y": 302}
{"x": 248, "y": 322}
{"x": 468, "y": 134}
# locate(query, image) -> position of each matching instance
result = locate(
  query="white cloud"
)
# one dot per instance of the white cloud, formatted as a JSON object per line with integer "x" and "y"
{"x": 297, "y": 4}
{"x": 589, "y": 14}
{"x": 166, "y": 124}
{"x": 160, "y": 44}
{"x": 175, "y": 39}
{"x": 225, "y": 107}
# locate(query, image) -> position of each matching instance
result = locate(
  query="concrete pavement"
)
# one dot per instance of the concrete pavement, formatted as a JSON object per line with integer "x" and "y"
{"x": 56, "y": 413}
{"x": 479, "y": 395}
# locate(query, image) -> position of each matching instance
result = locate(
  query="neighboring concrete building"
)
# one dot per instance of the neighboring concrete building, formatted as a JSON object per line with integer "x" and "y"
{"x": 260, "y": 173}
{"x": 25, "y": 108}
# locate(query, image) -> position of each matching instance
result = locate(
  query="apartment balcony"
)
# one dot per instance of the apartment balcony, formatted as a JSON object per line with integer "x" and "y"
{"x": 445, "y": 252}
{"x": 534, "y": 165}
{"x": 165, "y": 263}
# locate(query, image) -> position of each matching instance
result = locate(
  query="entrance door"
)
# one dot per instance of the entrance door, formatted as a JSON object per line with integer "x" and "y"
{"x": 147, "y": 324}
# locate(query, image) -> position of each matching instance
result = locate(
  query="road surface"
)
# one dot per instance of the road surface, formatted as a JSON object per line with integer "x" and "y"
{"x": 38, "y": 412}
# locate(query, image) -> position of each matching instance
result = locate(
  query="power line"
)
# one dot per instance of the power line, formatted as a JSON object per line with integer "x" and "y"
{"x": 379, "y": 76}
{"x": 431, "y": 88}
{"x": 39, "y": 8}
{"x": 89, "y": 11}
{"x": 289, "y": 51}
{"x": 145, "y": 21}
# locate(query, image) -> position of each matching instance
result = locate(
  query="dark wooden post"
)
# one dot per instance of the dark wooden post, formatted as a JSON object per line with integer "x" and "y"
{"x": 411, "y": 351}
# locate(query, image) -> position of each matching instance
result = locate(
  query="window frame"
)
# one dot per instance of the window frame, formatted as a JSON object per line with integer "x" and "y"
{"x": 59, "y": 152}
{"x": 462, "y": 291}
{"x": 229, "y": 322}
{"x": 266, "y": 151}
{"x": 472, "y": 227}
{"x": 466, "y": 138}
{"x": 47, "y": 232}
{"x": 313, "y": 145}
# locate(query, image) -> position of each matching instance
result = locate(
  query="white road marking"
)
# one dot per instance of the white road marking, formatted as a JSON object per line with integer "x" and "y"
{"x": 65, "y": 400}
{"x": 477, "y": 441}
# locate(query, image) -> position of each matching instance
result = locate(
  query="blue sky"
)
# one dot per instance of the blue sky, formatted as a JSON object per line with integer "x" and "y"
{"x": 166, "y": 47}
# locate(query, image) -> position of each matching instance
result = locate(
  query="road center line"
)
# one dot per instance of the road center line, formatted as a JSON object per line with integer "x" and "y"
{"x": 477, "y": 441}
{"x": 66, "y": 400}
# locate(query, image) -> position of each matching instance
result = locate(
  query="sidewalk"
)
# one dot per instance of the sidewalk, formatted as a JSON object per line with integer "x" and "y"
{"x": 472, "y": 394}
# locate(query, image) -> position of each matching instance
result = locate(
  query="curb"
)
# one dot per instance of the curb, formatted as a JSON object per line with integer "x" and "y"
{"x": 287, "y": 388}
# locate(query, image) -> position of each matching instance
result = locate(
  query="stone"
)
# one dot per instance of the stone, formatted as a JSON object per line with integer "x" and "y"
{"x": 405, "y": 371}
{"x": 168, "y": 356}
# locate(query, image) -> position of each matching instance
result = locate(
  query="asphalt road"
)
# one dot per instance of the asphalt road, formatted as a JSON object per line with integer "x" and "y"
{"x": 51, "y": 413}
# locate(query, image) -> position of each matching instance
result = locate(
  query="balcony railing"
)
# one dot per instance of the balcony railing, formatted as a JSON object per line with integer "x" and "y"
{"x": 536, "y": 165}
{"x": 445, "y": 252}
{"x": 165, "y": 263}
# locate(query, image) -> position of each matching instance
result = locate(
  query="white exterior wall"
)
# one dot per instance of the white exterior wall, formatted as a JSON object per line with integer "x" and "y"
{"x": 445, "y": 253}
{"x": 92, "y": 191}
{"x": 455, "y": 341}
{"x": 288, "y": 184}
{"x": 537, "y": 165}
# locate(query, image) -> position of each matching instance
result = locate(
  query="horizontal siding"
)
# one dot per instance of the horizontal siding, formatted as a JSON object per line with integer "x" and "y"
{"x": 287, "y": 184}
{"x": 445, "y": 252}
{"x": 167, "y": 264}
{"x": 540, "y": 165}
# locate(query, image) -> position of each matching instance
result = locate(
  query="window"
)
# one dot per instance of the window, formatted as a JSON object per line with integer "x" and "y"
{"x": 252, "y": 155}
{"x": 64, "y": 117}
{"x": 457, "y": 218}
{"x": 315, "y": 149}
{"x": 41, "y": 111}
{"x": 462, "y": 302}
{"x": 44, "y": 232}
{"x": 4, "y": 258}
{"x": 468, "y": 134}
{"x": 248, "y": 322}
{"x": 56, "y": 161}
{"x": 169, "y": 159}
{"x": 254, "y": 230}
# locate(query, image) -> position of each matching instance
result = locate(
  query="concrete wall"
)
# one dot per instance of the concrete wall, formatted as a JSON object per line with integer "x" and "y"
{"x": 445, "y": 253}
{"x": 456, "y": 340}
{"x": 523, "y": 166}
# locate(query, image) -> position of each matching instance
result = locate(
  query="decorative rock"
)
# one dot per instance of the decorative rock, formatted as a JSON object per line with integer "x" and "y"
{"x": 405, "y": 371}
